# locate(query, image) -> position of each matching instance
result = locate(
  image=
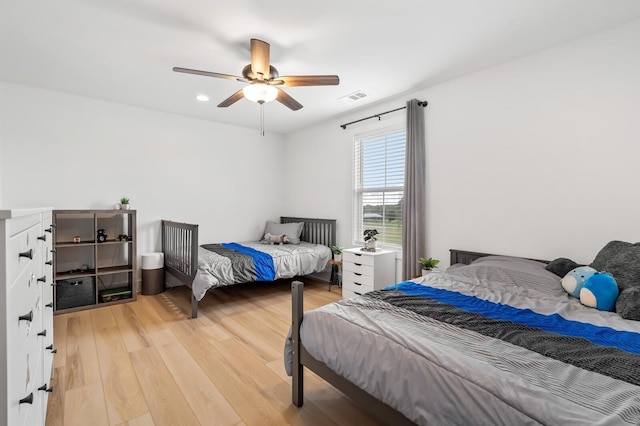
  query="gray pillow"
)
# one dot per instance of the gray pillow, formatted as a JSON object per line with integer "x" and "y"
{"x": 628, "y": 303}
{"x": 292, "y": 230}
{"x": 625, "y": 268}
{"x": 561, "y": 266}
{"x": 608, "y": 252}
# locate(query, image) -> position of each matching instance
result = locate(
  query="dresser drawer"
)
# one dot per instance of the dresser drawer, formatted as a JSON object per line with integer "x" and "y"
{"x": 23, "y": 250}
{"x": 357, "y": 258}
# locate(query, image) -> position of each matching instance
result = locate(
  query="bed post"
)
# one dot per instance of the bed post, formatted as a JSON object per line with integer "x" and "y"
{"x": 194, "y": 306}
{"x": 297, "y": 310}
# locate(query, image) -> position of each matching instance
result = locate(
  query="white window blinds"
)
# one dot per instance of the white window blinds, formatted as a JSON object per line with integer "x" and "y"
{"x": 379, "y": 186}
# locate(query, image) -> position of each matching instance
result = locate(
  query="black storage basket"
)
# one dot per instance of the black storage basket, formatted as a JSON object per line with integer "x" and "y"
{"x": 75, "y": 292}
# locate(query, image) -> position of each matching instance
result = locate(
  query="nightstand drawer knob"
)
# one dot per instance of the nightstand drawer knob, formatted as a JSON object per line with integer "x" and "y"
{"x": 43, "y": 333}
{"x": 355, "y": 273}
{"x": 356, "y": 283}
{"x": 43, "y": 237}
{"x": 358, "y": 264}
{"x": 359, "y": 294}
{"x": 42, "y": 279}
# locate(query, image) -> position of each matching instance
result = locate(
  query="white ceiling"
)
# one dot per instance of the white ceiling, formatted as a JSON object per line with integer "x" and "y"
{"x": 124, "y": 50}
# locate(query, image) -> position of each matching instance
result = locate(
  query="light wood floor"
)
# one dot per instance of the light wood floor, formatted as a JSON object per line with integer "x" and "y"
{"x": 148, "y": 363}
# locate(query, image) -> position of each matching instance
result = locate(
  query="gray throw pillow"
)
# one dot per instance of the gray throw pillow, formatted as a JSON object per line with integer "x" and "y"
{"x": 625, "y": 268}
{"x": 561, "y": 266}
{"x": 292, "y": 230}
{"x": 608, "y": 252}
{"x": 628, "y": 303}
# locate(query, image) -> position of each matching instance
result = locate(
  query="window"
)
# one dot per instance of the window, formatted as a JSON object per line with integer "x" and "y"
{"x": 379, "y": 185}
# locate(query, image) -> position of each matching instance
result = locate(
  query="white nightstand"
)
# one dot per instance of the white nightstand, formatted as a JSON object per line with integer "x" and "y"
{"x": 364, "y": 271}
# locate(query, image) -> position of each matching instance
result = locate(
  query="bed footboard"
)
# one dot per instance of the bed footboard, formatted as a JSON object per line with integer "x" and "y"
{"x": 180, "y": 248}
{"x": 301, "y": 358}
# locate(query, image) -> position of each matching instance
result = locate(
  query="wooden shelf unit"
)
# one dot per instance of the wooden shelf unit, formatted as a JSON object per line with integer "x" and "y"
{"x": 85, "y": 269}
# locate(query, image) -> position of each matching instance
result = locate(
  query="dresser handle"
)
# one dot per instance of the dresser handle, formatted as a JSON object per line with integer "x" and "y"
{"x": 43, "y": 237}
{"x": 49, "y": 262}
{"x": 26, "y": 317}
{"x": 358, "y": 264}
{"x": 52, "y": 250}
{"x": 28, "y": 253}
{"x": 49, "y": 305}
{"x": 42, "y": 279}
{"x": 43, "y": 333}
{"x": 359, "y": 294}
{"x": 50, "y": 347}
{"x": 27, "y": 400}
{"x": 356, "y": 283}
{"x": 50, "y": 229}
{"x": 355, "y": 273}
{"x": 357, "y": 254}
{"x": 45, "y": 388}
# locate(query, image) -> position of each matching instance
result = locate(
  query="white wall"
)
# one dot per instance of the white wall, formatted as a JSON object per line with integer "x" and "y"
{"x": 71, "y": 152}
{"x": 536, "y": 157}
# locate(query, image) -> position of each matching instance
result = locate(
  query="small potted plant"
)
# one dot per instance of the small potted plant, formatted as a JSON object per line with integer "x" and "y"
{"x": 428, "y": 264}
{"x": 370, "y": 239}
{"x": 337, "y": 253}
{"x": 124, "y": 203}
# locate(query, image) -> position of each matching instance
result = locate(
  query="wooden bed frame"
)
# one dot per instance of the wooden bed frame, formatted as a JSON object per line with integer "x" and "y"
{"x": 301, "y": 358}
{"x": 180, "y": 246}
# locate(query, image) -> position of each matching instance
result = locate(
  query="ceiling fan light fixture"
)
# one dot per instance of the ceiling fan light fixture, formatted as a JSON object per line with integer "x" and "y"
{"x": 202, "y": 98}
{"x": 260, "y": 92}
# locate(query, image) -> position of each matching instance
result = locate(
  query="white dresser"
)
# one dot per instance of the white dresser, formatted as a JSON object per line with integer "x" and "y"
{"x": 26, "y": 322}
{"x": 364, "y": 271}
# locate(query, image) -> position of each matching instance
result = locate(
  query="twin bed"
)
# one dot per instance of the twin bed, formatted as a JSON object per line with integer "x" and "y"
{"x": 208, "y": 266}
{"x": 493, "y": 340}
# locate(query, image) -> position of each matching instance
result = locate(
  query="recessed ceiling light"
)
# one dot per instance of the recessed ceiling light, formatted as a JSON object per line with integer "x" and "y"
{"x": 202, "y": 98}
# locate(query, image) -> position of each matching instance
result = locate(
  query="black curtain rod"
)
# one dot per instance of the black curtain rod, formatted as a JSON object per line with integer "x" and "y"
{"x": 344, "y": 126}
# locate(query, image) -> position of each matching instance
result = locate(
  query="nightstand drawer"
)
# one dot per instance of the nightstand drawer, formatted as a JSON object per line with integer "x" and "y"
{"x": 350, "y": 276}
{"x": 358, "y": 268}
{"x": 348, "y": 293}
{"x": 356, "y": 287}
{"x": 357, "y": 258}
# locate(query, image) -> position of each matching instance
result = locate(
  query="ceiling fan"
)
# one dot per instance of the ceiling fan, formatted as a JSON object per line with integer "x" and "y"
{"x": 264, "y": 79}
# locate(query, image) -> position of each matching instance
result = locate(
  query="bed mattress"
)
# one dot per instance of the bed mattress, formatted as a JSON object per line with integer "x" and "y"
{"x": 283, "y": 261}
{"x": 432, "y": 350}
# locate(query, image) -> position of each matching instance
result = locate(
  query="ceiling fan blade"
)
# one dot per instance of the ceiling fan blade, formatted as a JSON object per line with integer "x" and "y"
{"x": 288, "y": 101}
{"x": 310, "y": 80}
{"x": 232, "y": 99}
{"x": 260, "y": 58}
{"x": 210, "y": 74}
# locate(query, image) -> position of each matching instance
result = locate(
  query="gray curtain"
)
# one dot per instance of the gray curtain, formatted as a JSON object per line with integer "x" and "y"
{"x": 414, "y": 217}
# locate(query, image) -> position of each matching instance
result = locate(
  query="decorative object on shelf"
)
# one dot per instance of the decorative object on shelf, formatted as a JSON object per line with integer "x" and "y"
{"x": 76, "y": 239}
{"x": 428, "y": 264}
{"x": 124, "y": 203}
{"x": 102, "y": 236}
{"x": 337, "y": 253}
{"x": 116, "y": 206}
{"x": 370, "y": 239}
{"x": 123, "y": 237}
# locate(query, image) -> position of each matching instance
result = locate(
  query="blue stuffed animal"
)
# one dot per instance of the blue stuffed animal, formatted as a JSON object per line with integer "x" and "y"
{"x": 600, "y": 292}
{"x": 575, "y": 279}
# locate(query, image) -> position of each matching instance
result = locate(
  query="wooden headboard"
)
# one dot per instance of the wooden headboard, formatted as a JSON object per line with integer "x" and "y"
{"x": 316, "y": 231}
{"x": 466, "y": 257}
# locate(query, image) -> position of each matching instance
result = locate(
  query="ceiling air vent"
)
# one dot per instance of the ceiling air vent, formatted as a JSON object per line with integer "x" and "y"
{"x": 355, "y": 96}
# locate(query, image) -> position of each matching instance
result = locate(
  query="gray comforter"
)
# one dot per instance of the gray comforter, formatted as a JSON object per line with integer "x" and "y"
{"x": 290, "y": 260}
{"x": 437, "y": 366}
